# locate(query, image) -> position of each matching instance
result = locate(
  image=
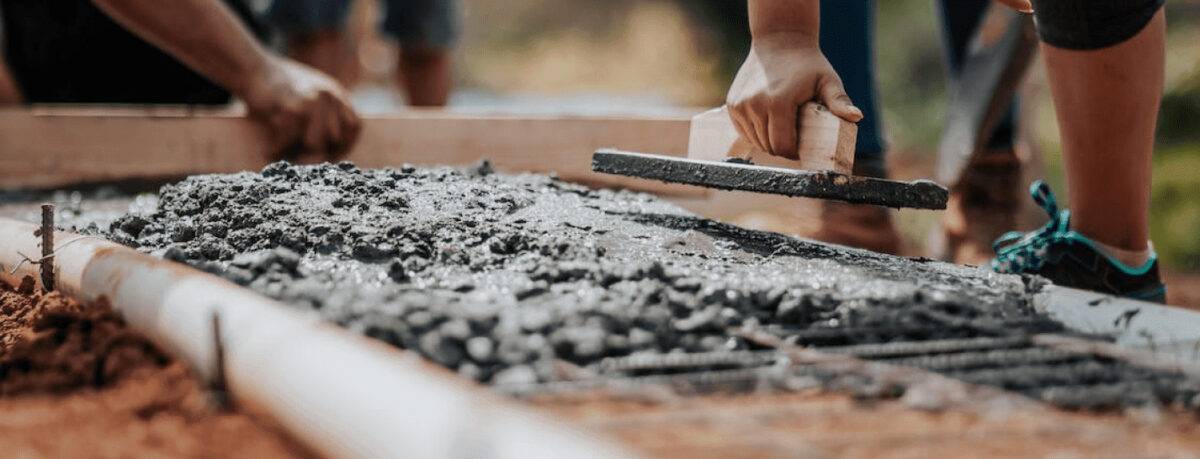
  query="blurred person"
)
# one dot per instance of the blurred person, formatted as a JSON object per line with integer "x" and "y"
{"x": 982, "y": 204}
{"x": 1105, "y": 62}
{"x": 195, "y": 52}
{"x": 9, "y": 94}
{"x": 315, "y": 32}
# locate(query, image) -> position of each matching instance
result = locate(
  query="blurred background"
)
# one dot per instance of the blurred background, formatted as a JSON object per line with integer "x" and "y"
{"x": 667, "y": 56}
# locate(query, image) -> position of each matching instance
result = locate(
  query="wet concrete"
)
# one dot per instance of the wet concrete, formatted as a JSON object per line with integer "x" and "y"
{"x": 86, "y": 208}
{"x": 740, "y": 175}
{"x": 507, "y": 277}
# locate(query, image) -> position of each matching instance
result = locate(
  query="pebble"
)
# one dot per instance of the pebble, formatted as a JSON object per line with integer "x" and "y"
{"x": 520, "y": 375}
{"x": 480, "y": 348}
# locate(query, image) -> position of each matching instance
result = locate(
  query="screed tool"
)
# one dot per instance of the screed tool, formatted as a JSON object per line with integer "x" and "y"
{"x": 719, "y": 158}
{"x": 999, "y": 56}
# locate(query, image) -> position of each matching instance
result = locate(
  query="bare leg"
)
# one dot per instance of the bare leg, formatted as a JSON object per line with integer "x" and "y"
{"x": 9, "y": 94}
{"x": 325, "y": 50}
{"x": 1107, "y": 103}
{"x": 426, "y": 74}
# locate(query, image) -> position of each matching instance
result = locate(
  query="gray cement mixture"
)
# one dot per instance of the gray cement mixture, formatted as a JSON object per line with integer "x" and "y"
{"x": 504, "y": 278}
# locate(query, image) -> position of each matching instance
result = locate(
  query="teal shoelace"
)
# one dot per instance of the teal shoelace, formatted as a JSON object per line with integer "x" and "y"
{"x": 1021, "y": 252}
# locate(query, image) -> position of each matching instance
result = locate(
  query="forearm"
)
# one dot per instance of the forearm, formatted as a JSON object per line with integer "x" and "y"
{"x": 203, "y": 34}
{"x": 793, "y": 19}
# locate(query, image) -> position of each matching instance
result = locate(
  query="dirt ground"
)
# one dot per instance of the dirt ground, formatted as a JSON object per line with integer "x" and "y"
{"x": 816, "y": 424}
{"x": 1183, "y": 289}
{"x": 76, "y": 382}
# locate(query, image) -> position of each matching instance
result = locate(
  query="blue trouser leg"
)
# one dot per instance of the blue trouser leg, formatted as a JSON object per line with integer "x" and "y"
{"x": 847, "y": 39}
{"x": 960, "y": 19}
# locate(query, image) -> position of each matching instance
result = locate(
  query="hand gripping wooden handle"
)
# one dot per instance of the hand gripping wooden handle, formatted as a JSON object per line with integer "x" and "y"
{"x": 826, "y": 142}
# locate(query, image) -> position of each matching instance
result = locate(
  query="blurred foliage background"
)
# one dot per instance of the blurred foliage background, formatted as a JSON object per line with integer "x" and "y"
{"x": 683, "y": 53}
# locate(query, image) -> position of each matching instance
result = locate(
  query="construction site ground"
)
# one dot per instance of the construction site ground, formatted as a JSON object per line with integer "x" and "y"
{"x": 820, "y": 424}
{"x": 375, "y": 253}
{"x": 76, "y": 382}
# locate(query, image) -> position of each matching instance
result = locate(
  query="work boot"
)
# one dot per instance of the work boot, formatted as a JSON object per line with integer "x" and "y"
{"x": 857, "y": 225}
{"x": 983, "y": 204}
{"x": 1071, "y": 259}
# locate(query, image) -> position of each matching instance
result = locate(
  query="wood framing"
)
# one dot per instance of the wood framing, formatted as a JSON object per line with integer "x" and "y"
{"x": 55, "y": 146}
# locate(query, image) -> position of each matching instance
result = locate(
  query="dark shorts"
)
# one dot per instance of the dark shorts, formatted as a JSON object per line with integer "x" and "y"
{"x": 1092, "y": 24}
{"x": 68, "y": 51}
{"x": 431, "y": 23}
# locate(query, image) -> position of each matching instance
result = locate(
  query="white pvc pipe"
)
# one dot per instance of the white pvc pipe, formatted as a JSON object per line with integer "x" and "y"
{"x": 345, "y": 395}
{"x": 1167, "y": 330}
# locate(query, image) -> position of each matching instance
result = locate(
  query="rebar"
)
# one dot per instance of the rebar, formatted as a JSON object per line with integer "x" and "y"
{"x": 987, "y": 359}
{"x": 1041, "y": 376}
{"x": 907, "y": 348}
{"x": 698, "y": 382}
{"x": 46, "y": 263}
{"x": 684, "y": 361}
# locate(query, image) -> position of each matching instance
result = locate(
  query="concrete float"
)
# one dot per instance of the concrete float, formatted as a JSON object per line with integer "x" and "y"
{"x": 344, "y": 395}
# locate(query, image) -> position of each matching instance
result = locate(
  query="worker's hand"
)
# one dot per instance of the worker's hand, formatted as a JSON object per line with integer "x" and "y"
{"x": 780, "y": 74}
{"x": 1024, "y": 6}
{"x": 307, "y": 111}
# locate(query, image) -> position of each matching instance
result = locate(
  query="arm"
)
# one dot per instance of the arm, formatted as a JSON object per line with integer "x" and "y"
{"x": 303, "y": 108}
{"x": 798, "y": 17}
{"x": 1024, "y": 6}
{"x": 785, "y": 69}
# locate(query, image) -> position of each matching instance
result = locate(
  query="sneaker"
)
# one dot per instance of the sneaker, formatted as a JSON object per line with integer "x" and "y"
{"x": 1070, "y": 259}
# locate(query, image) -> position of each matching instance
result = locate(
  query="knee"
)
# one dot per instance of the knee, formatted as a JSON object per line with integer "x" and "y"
{"x": 1092, "y": 24}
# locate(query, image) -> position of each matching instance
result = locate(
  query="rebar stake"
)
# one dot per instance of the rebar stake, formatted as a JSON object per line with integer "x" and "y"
{"x": 46, "y": 264}
{"x": 220, "y": 385}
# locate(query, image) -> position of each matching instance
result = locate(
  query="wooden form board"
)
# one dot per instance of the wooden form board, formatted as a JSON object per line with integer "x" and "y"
{"x": 56, "y": 146}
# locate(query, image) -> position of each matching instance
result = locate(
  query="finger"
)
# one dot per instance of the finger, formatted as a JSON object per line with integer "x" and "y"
{"x": 314, "y": 130}
{"x": 756, "y": 120}
{"x": 333, "y": 127}
{"x": 291, "y": 117}
{"x": 782, "y": 131}
{"x": 1024, "y": 6}
{"x": 833, "y": 95}
{"x": 351, "y": 125}
{"x": 284, "y": 135}
{"x": 744, "y": 128}
{"x": 272, "y": 124}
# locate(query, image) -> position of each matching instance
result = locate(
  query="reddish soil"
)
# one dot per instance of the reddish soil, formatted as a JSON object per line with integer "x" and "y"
{"x": 830, "y": 425}
{"x": 1183, "y": 289}
{"x": 76, "y": 382}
